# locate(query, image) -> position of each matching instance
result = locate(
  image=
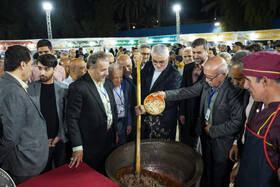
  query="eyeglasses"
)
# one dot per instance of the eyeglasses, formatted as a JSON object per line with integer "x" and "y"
{"x": 145, "y": 54}
{"x": 211, "y": 79}
{"x": 189, "y": 56}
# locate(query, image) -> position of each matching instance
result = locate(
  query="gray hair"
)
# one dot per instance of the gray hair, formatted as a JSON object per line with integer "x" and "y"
{"x": 160, "y": 50}
{"x": 92, "y": 59}
{"x": 124, "y": 56}
{"x": 237, "y": 58}
{"x": 187, "y": 49}
{"x": 64, "y": 54}
{"x": 224, "y": 55}
{"x": 144, "y": 46}
{"x": 113, "y": 67}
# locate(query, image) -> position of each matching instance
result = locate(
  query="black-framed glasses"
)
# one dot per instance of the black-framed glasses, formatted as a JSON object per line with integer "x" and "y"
{"x": 211, "y": 79}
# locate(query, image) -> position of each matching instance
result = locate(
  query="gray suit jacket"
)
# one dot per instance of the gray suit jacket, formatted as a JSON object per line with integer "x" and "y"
{"x": 227, "y": 114}
{"x": 60, "y": 89}
{"x": 23, "y": 136}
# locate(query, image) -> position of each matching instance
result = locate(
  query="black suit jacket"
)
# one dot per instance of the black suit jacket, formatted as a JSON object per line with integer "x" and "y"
{"x": 86, "y": 118}
{"x": 169, "y": 79}
{"x": 190, "y": 107}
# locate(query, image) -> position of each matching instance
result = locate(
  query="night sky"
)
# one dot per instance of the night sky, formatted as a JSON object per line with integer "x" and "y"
{"x": 88, "y": 18}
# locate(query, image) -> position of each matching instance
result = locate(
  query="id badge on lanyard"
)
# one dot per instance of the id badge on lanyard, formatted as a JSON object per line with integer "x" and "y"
{"x": 207, "y": 115}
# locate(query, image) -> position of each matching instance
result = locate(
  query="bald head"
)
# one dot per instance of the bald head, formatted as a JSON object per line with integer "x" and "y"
{"x": 215, "y": 70}
{"x": 64, "y": 61}
{"x": 77, "y": 68}
{"x": 125, "y": 62}
{"x": 216, "y": 63}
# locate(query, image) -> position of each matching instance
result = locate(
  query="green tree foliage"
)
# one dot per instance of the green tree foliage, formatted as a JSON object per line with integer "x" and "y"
{"x": 103, "y": 22}
{"x": 259, "y": 14}
{"x": 158, "y": 4}
{"x": 9, "y": 25}
{"x": 128, "y": 9}
{"x": 244, "y": 14}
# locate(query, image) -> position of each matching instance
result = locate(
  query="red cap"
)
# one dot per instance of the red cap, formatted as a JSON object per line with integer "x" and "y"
{"x": 262, "y": 63}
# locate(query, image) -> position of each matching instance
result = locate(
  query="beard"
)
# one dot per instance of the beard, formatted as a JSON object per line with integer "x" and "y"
{"x": 200, "y": 62}
{"x": 45, "y": 78}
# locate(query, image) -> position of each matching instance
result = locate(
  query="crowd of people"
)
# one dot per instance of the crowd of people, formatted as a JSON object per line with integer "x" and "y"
{"x": 74, "y": 107}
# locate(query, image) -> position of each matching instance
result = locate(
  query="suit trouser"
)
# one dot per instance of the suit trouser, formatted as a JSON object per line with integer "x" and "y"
{"x": 21, "y": 179}
{"x": 187, "y": 135}
{"x": 57, "y": 155}
{"x": 217, "y": 168}
{"x": 96, "y": 160}
{"x": 121, "y": 132}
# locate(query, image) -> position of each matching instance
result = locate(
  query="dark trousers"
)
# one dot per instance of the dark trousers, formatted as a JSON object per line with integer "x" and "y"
{"x": 56, "y": 155}
{"x": 96, "y": 160}
{"x": 121, "y": 132}
{"x": 188, "y": 136}
{"x": 20, "y": 179}
{"x": 68, "y": 151}
{"x": 217, "y": 168}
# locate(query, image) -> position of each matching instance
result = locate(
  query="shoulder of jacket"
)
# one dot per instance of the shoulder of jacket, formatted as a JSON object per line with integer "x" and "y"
{"x": 34, "y": 83}
{"x": 61, "y": 85}
{"x": 190, "y": 65}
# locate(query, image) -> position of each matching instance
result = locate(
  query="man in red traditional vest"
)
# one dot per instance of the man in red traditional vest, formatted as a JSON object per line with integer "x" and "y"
{"x": 260, "y": 158}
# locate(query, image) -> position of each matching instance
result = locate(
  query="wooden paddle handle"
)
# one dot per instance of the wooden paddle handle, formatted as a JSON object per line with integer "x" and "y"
{"x": 138, "y": 136}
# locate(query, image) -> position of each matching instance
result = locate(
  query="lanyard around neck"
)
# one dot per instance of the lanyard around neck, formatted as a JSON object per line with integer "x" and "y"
{"x": 119, "y": 94}
{"x": 104, "y": 93}
{"x": 211, "y": 95}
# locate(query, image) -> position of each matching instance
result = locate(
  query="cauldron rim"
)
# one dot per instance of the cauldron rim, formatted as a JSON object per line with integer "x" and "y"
{"x": 199, "y": 164}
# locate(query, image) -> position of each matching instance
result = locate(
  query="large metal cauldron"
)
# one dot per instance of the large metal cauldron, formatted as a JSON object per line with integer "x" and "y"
{"x": 170, "y": 158}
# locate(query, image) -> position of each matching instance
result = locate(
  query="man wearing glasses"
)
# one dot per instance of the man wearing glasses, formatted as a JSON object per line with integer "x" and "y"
{"x": 159, "y": 75}
{"x": 220, "y": 118}
{"x": 146, "y": 54}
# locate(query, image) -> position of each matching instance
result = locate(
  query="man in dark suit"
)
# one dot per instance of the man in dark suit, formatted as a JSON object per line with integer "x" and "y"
{"x": 189, "y": 108}
{"x": 220, "y": 119}
{"x": 89, "y": 116}
{"x": 50, "y": 97}
{"x": 159, "y": 75}
{"x": 23, "y": 133}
